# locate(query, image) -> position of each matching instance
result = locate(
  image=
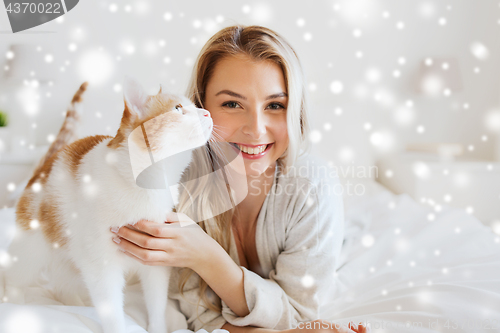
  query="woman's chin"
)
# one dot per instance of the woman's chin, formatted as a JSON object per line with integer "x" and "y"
{"x": 256, "y": 168}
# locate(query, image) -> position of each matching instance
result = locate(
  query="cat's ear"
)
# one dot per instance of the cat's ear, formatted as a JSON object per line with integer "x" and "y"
{"x": 135, "y": 96}
{"x": 159, "y": 92}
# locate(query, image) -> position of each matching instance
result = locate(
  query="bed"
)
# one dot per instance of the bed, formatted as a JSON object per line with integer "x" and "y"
{"x": 405, "y": 267}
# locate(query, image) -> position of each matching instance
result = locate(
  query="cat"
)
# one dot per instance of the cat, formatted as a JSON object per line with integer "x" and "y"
{"x": 82, "y": 188}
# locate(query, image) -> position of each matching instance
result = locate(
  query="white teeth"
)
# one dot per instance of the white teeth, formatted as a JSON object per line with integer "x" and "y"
{"x": 252, "y": 151}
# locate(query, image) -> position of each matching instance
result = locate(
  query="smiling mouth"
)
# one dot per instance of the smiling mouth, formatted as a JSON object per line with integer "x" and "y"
{"x": 251, "y": 150}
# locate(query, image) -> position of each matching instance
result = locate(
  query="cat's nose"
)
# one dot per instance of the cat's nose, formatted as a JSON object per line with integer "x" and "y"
{"x": 206, "y": 113}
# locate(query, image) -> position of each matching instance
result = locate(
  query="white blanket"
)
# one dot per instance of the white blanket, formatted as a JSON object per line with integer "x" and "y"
{"x": 400, "y": 271}
{"x": 425, "y": 271}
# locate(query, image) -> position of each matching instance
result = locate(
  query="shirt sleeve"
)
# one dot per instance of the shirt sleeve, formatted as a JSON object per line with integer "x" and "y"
{"x": 198, "y": 317}
{"x": 306, "y": 266}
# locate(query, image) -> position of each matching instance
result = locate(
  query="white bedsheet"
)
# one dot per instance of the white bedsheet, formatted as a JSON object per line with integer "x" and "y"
{"x": 400, "y": 271}
{"x": 419, "y": 275}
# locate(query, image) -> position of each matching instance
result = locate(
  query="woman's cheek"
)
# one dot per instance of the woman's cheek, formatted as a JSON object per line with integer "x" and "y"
{"x": 224, "y": 123}
{"x": 283, "y": 135}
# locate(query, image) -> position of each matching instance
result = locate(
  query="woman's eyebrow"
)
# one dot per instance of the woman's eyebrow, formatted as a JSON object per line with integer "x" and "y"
{"x": 232, "y": 93}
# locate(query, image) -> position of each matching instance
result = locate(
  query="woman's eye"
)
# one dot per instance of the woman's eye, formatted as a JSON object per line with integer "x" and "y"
{"x": 278, "y": 106}
{"x": 273, "y": 106}
{"x": 231, "y": 105}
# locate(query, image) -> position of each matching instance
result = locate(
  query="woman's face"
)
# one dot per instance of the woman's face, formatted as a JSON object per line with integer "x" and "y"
{"x": 248, "y": 102}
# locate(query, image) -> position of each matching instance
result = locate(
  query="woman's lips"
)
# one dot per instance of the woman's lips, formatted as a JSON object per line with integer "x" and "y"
{"x": 253, "y": 156}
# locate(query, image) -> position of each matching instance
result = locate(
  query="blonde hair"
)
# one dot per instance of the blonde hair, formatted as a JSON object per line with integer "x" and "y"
{"x": 258, "y": 43}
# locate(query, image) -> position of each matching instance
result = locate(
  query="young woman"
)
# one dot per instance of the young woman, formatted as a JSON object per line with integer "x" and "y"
{"x": 262, "y": 265}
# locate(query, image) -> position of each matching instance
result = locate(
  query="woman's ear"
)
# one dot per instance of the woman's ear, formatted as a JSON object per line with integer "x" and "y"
{"x": 135, "y": 97}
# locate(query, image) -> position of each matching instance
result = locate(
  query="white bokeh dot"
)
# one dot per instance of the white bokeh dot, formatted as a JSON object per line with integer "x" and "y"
{"x": 479, "y": 50}
{"x": 346, "y": 154}
{"x": 315, "y": 136}
{"x": 167, "y": 16}
{"x": 336, "y": 87}
{"x": 367, "y": 240}
{"x": 36, "y": 187}
{"x": 34, "y": 224}
{"x": 307, "y": 281}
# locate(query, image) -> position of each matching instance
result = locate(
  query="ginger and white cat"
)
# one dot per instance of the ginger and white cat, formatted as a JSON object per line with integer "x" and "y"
{"x": 87, "y": 186}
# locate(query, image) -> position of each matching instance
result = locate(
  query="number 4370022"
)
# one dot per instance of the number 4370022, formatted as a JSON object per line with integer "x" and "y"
{"x": 31, "y": 7}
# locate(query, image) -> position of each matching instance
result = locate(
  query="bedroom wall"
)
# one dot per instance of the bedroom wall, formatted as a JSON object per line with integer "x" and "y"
{"x": 359, "y": 43}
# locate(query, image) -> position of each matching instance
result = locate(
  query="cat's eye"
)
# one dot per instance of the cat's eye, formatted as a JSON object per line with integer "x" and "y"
{"x": 179, "y": 108}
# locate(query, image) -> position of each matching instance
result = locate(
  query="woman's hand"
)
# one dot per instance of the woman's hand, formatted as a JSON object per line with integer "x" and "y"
{"x": 323, "y": 326}
{"x": 178, "y": 242}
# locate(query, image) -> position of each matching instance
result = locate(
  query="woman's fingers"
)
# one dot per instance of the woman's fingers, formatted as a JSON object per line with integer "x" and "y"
{"x": 148, "y": 263}
{"x": 349, "y": 329}
{"x": 359, "y": 328}
{"x": 145, "y": 255}
{"x": 140, "y": 239}
{"x": 160, "y": 230}
{"x": 330, "y": 327}
{"x": 364, "y": 329}
{"x": 182, "y": 218}
{"x": 151, "y": 239}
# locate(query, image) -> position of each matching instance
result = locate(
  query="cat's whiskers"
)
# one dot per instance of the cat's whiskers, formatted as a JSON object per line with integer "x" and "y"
{"x": 216, "y": 135}
{"x": 218, "y": 128}
{"x": 210, "y": 151}
{"x": 195, "y": 127}
{"x": 220, "y": 155}
{"x": 187, "y": 191}
{"x": 215, "y": 150}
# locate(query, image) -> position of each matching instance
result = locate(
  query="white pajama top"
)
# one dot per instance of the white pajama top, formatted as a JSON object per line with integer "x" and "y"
{"x": 299, "y": 235}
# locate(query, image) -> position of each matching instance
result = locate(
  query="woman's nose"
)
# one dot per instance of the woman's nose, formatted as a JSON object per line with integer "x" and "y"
{"x": 256, "y": 126}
